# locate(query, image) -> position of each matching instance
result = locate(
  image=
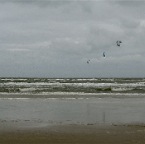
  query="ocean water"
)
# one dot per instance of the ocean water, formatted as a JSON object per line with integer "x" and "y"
{"x": 84, "y": 86}
{"x": 32, "y": 102}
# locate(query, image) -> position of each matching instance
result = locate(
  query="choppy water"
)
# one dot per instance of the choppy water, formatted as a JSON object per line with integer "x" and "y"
{"x": 72, "y": 85}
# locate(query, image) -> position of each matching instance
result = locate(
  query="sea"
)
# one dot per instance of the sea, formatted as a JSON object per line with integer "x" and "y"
{"x": 45, "y": 86}
{"x": 42, "y": 102}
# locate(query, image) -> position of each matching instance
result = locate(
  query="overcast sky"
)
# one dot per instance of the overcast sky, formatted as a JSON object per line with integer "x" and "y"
{"x": 48, "y": 38}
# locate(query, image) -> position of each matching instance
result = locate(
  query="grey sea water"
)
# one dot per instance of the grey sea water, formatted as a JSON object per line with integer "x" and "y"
{"x": 24, "y": 101}
{"x": 72, "y": 85}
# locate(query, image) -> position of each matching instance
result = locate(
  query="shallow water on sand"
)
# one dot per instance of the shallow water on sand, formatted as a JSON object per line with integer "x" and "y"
{"x": 89, "y": 111}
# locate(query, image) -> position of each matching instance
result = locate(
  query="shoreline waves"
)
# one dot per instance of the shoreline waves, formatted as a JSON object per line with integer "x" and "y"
{"x": 72, "y": 85}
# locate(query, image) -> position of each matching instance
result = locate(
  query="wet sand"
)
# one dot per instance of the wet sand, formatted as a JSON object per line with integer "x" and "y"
{"x": 75, "y": 134}
{"x": 72, "y": 121}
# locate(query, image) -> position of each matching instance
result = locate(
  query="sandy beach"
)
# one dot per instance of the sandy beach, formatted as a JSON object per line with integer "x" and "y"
{"x": 75, "y": 134}
{"x": 62, "y": 120}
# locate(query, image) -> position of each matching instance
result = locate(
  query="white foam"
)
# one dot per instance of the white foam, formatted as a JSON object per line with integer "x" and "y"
{"x": 122, "y": 89}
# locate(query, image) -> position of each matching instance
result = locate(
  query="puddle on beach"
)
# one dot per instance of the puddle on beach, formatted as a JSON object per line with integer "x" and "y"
{"x": 73, "y": 111}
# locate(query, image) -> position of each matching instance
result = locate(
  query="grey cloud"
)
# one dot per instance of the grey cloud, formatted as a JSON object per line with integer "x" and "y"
{"x": 131, "y": 3}
{"x": 41, "y": 3}
{"x": 55, "y": 38}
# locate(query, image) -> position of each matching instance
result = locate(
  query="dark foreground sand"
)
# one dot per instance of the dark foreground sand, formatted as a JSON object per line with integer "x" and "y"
{"x": 75, "y": 134}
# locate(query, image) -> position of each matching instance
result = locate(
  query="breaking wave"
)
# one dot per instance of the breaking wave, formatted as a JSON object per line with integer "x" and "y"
{"x": 71, "y": 85}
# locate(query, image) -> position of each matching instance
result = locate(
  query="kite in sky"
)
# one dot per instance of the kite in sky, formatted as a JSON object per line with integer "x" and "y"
{"x": 118, "y": 43}
{"x": 88, "y": 61}
{"x": 104, "y": 54}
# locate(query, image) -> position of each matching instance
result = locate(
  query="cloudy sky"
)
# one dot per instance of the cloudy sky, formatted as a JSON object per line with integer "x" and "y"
{"x": 49, "y": 38}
